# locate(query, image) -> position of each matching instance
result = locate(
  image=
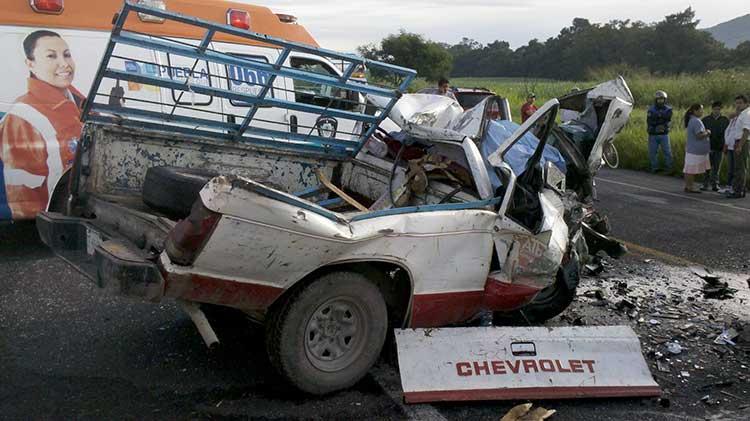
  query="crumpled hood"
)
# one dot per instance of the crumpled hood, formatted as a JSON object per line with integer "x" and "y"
{"x": 434, "y": 117}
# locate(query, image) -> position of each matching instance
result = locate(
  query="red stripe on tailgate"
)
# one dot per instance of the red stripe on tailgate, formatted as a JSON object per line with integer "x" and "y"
{"x": 533, "y": 393}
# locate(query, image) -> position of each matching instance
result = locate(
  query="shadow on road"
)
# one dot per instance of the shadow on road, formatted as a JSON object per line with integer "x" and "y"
{"x": 21, "y": 240}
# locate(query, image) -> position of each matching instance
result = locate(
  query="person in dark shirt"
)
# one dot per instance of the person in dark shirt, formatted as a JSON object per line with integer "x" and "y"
{"x": 717, "y": 124}
{"x": 659, "y": 121}
{"x": 444, "y": 89}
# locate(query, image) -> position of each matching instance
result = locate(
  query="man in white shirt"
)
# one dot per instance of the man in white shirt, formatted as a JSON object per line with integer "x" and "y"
{"x": 730, "y": 138}
{"x": 741, "y": 147}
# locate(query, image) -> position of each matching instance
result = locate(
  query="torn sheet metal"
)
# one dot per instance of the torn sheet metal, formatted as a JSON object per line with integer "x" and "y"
{"x": 504, "y": 363}
{"x": 426, "y": 116}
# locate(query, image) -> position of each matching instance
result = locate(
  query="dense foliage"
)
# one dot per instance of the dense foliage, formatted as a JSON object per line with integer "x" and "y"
{"x": 673, "y": 45}
{"x": 431, "y": 60}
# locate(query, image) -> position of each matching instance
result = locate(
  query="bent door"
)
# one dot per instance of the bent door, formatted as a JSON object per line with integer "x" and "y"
{"x": 617, "y": 115}
{"x": 531, "y": 235}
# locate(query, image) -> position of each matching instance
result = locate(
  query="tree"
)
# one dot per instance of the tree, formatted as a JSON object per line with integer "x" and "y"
{"x": 429, "y": 59}
{"x": 741, "y": 55}
{"x": 671, "y": 46}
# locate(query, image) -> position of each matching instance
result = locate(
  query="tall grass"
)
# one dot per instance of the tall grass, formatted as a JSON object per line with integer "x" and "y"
{"x": 632, "y": 142}
{"x": 684, "y": 90}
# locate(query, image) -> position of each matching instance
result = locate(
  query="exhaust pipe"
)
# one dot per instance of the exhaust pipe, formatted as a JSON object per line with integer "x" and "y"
{"x": 198, "y": 317}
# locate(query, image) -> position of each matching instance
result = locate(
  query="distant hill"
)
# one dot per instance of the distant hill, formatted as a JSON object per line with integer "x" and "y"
{"x": 732, "y": 32}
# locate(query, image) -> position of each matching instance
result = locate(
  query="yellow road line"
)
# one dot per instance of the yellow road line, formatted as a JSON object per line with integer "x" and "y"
{"x": 666, "y": 257}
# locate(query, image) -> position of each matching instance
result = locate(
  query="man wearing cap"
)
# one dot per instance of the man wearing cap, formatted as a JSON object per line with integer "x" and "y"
{"x": 659, "y": 121}
{"x": 528, "y": 109}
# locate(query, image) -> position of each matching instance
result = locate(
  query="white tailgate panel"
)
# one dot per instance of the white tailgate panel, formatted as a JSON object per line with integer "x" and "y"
{"x": 499, "y": 363}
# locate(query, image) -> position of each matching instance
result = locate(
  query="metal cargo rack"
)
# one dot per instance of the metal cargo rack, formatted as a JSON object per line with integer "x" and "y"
{"x": 110, "y": 102}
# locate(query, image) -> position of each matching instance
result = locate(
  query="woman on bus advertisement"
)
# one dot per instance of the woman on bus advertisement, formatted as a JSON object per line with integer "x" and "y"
{"x": 39, "y": 134}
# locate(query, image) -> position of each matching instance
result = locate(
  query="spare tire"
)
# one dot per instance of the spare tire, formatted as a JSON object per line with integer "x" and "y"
{"x": 173, "y": 190}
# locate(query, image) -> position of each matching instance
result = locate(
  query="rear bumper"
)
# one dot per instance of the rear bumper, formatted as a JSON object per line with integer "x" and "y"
{"x": 62, "y": 233}
{"x": 112, "y": 263}
{"x": 122, "y": 270}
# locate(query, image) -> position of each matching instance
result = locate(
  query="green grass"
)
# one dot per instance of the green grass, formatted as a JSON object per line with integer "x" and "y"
{"x": 632, "y": 142}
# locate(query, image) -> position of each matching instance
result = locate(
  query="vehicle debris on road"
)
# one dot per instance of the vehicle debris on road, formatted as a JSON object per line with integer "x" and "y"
{"x": 685, "y": 339}
{"x": 674, "y": 348}
{"x": 727, "y": 337}
{"x": 714, "y": 288}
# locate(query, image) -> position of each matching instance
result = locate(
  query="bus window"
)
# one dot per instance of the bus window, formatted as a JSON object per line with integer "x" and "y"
{"x": 316, "y": 93}
{"x": 181, "y": 70}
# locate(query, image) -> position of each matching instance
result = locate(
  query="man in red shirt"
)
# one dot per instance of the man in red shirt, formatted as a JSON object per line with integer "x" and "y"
{"x": 528, "y": 108}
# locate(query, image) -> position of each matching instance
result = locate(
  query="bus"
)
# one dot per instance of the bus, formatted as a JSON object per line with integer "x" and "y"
{"x": 52, "y": 52}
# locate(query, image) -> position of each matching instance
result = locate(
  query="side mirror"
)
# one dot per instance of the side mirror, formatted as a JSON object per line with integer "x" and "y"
{"x": 327, "y": 127}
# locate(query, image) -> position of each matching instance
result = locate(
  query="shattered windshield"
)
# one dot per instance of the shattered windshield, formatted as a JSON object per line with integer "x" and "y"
{"x": 517, "y": 157}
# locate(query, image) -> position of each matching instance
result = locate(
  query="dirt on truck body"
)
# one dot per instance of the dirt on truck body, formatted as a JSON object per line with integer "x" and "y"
{"x": 297, "y": 223}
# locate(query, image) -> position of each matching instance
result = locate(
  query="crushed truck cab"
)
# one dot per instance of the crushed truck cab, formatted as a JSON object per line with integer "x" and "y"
{"x": 300, "y": 223}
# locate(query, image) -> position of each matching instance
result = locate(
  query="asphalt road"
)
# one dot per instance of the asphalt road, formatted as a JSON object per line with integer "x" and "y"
{"x": 654, "y": 212}
{"x": 67, "y": 350}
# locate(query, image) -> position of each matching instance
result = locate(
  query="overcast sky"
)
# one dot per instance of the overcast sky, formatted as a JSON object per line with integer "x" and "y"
{"x": 345, "y": 24}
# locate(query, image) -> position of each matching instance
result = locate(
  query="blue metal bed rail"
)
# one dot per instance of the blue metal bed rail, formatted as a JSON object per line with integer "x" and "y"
{"x": 138, "y": 86}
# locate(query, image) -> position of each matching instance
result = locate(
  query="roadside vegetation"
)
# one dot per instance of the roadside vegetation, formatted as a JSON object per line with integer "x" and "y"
{"x": 673, "y": 45}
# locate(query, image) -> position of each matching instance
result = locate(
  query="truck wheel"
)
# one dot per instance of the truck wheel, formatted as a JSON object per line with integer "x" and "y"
{"x": 174, "y": 190}
{"x": 550, "y": 302}
{"x": 328, "y": 334}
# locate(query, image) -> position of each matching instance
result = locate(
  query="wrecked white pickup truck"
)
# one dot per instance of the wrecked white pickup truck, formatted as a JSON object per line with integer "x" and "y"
{"x": 305, "y": 231}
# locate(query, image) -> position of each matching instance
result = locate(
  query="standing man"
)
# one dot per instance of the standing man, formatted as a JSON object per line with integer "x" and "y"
{"x": 729, "y": 140}
{"x": 444, "y": 89}
{"x": 717, "y": 124}
{"x": 528, "y": 108}
{"x": 659, "y": 121}
{"x": 742, "y": 131}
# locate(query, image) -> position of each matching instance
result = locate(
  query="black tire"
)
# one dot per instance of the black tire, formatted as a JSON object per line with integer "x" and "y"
{"x": 550, "y": 302}
{"x": 298, "y": 335}
{"x": 173, "y": 190}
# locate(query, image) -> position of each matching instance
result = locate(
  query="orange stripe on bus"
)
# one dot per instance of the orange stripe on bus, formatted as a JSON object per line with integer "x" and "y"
{"x": 97, "y": 15}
